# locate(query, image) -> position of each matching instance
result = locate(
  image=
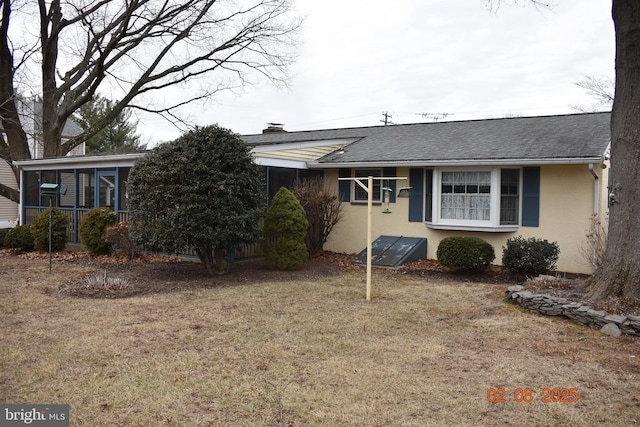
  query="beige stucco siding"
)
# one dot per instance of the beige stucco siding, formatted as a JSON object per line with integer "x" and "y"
{"x": 566, "y": 206}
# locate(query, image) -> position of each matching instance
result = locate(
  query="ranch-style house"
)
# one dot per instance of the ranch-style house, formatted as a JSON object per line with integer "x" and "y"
{"x": 543, "y": 177}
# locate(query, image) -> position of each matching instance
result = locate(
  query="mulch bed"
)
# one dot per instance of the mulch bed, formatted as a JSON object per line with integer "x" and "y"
{"x": 156, "y": 274}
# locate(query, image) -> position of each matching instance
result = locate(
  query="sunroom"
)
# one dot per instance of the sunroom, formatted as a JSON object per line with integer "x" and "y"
{"x": 88, "y": 182}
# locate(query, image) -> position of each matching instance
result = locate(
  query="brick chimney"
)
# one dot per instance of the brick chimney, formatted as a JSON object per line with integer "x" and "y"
{"x": 274, "y": 128}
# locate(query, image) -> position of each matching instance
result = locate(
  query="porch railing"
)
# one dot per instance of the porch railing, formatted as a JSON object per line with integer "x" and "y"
{"x": 75, "y": 215}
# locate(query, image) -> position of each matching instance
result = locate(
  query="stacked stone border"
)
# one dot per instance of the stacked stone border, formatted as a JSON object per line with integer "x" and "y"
{"x": 611, "y": 324}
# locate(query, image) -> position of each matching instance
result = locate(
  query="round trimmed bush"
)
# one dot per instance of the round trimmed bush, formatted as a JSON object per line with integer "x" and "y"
{"x": 40, "y": 230}
{"x": 93, "y": 229}
{"x": 530, "y": 256}
{"x": 469, "y": 253}
{"x": 19, "y": 237}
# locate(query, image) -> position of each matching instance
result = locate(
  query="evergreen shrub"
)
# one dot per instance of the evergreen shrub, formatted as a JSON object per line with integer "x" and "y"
{"x": 93, "y": 228}
{"x": 285, "y": 229}
{"x": 19, "y": 237}
{"x": 3, "y": 234}
{"x": 200, "y": 192}
{"x": 469, "y": 253}
{"x": 40, "y": 230}
{"x": 530, "y": 256}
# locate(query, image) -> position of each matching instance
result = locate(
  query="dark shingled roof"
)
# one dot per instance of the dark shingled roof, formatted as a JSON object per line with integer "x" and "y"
{"x": 574, "y": 136}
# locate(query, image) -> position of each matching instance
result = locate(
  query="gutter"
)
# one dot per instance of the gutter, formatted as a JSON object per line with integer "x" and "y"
{"x": 79, "y": 161}
{"x": 471, "y": 162}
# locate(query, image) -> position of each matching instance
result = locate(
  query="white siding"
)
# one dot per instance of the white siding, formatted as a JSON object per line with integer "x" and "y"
{"x": 8, "y": 209}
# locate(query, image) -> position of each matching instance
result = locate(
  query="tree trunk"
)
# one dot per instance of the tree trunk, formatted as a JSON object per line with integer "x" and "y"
{"x": 206, "y": 259}
{"x": 212, "y": 260}
{"x": 619, "y": 274}
{"x": 221, "y": 263}
{"x": 49, "y": 34}
{"x": 14, "y": 146}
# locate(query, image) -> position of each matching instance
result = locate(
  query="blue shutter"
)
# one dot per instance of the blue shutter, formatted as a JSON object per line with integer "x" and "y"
{"x": 344, "y": 187}
{"x": 392, "y": 184}
{"x": 531, "y": 197}
{"x": 416, "y": 182}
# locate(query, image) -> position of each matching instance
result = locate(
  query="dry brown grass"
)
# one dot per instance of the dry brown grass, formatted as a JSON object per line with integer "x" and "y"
{"x": 421, "y": 353}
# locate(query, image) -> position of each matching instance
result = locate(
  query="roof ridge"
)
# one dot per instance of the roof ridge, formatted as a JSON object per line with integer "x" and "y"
{"x": 435, "y": 123}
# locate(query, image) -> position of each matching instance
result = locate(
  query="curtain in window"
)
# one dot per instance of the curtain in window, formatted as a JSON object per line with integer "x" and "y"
{"x": 466, "y": 196}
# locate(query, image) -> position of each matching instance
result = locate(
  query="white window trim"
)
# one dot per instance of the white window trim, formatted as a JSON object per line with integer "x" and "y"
{"x": 492, "y": 225}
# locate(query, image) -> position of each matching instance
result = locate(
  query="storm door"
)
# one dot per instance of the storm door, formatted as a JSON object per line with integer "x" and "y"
{"x": 106, "y": 190}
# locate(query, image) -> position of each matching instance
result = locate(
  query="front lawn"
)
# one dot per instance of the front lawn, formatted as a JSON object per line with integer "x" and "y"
{"x": 304, "y": 350}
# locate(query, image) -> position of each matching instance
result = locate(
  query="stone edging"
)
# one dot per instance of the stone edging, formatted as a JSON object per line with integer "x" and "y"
{"x": 611, "y": 324}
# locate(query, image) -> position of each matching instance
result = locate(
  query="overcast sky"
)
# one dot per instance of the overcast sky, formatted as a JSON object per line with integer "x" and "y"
{"x": 360, "y": 58}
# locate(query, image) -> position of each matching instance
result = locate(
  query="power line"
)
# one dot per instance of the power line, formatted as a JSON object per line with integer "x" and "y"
{"x": 434, "y": 116}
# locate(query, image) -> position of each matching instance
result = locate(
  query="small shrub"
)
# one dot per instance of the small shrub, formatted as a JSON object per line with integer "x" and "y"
{"x": 40, "y": 230}
{"x": 19, "y": 237}
{"x": 469, "y": 253}
{"x": 104, "y": 283}
{"x": 530, "y": 256}
{"x": 118, "y": 236}
{"x": 594, "y": 248}
{"x": 93, "y": 228}
{"x": 285, "y": 228}
{"x": 3, "y": 234}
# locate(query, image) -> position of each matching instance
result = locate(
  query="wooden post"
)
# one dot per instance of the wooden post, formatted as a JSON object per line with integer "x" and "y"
{"x": 369, "y": 189}
{"x": 369, "y": 232}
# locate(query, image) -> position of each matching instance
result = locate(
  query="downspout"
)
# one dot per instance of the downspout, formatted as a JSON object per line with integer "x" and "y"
{"x": 596, "y": 212}
{"x": 596, "y": 189}
{"x": 20, "y": 197}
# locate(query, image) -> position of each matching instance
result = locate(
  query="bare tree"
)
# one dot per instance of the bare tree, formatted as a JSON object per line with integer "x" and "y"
{"x": 619, "y": 273}
{"x": 135, "y": 50}
{"x": 601, "y": 88}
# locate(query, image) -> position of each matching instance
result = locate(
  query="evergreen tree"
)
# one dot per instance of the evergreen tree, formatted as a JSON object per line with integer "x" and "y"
{"x": 117, "y": 137}
{"x": 201, "y": 192}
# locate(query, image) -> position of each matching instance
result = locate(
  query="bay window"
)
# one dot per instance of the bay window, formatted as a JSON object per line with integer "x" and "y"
{"x": 470, "y": 199}
{"x": 465, "y": 196}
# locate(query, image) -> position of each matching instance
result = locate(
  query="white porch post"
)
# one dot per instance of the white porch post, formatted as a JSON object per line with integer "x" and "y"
{"x": 369, "y": 232}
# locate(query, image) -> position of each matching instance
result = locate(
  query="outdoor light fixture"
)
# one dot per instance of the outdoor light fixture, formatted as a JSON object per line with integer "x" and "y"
{"x": 404, "y": 192}
{"x": 387, "y": 196}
